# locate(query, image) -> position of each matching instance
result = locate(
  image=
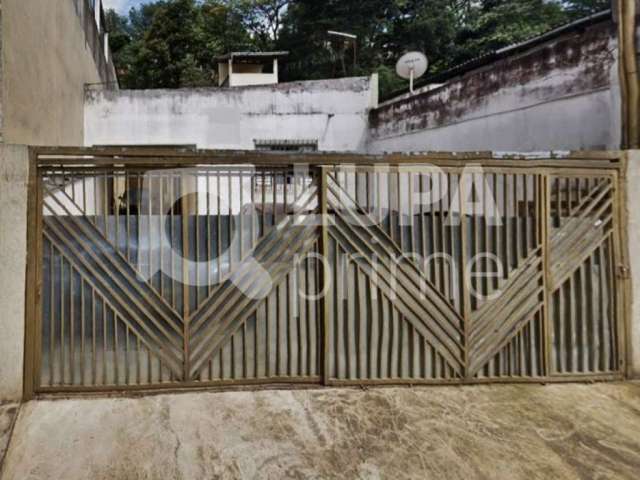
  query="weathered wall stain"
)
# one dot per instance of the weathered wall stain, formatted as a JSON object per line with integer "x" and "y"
{"x": 333, "y": 112}
{"x": 577, "y": 63}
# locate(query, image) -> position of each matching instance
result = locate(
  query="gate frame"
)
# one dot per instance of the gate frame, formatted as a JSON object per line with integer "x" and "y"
{"x": 612, "y": 163}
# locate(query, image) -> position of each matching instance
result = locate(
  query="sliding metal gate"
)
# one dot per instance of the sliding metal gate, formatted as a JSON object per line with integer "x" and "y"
{"x": 174, "y": 270}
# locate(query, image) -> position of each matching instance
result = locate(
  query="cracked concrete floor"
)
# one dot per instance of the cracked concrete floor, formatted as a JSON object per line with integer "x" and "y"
{"x": 496, "y": 432}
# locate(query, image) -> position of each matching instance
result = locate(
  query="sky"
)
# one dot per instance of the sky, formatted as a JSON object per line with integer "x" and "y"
{"x": 121, "y": 6}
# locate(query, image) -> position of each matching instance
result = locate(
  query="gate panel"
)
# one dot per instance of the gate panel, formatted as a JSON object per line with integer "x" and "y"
{"x": 396, "y": 296}
{"x": 584, "y": 314}
{"x": 198, "y": 274}
{"x": 160, "y": 277}
{"x": 438, "y": 274}
{"x": 506, "y": 293}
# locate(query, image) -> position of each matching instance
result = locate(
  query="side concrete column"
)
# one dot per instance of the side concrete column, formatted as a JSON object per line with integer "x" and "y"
{"x": 14, "y": 173}
{"x": 633, "y": 232}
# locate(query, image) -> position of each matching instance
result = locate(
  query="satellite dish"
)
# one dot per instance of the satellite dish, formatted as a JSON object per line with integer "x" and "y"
{"x": 412, "y": 65}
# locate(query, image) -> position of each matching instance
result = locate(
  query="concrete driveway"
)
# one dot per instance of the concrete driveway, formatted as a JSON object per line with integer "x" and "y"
{"x": 483, "y": 432}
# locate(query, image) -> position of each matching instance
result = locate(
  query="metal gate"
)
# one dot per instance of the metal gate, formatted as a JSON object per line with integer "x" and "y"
{"x": 170, "y": 269}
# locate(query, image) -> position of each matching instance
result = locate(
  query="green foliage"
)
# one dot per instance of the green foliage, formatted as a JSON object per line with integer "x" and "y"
{"x": 262, "y": 19}
{"x": 498, "y": 23}
{"x": 174, "y": 43}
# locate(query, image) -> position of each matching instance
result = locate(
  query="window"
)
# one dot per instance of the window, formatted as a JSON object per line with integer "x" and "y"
{"x": 291, "y": 146}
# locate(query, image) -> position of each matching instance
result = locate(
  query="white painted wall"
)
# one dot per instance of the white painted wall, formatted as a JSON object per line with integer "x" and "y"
{"x": 248, "y": 79}
{"x": 588, "y": 121}
{"x": 562, "y": 95}
{"x": 332, "y": 111}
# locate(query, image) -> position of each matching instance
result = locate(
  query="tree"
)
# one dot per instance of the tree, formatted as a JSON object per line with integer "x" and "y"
{"x": 174, "y": 43}
{"x": 305, "y": 35}
{"x": 223, "y": 28}
{"x": 494, "y": 24}
{"x": 385, "y": 30}
{"x": 262, "y": 19}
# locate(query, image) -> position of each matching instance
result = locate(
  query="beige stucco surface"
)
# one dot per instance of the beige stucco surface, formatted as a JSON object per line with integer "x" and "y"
{"x": 633, "y": 230}
{"x": 45, "y": 63}
{"x": 13, "y": 260}
{"x": 482, "y": 432}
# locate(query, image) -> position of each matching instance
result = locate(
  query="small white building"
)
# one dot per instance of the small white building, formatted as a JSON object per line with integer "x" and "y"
{"x": 241, "y": 69}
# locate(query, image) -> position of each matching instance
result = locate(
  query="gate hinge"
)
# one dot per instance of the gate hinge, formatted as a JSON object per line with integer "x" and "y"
{"x": 623, "y": 272}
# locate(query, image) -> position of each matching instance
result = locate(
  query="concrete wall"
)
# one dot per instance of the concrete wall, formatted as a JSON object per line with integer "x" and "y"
{"x": 562, "y": 95}
{"x": 332, "y": 111}
{"x": 633, "y": 229}
{"x": 46, "y": 61}
{"x": 14, "y": 161}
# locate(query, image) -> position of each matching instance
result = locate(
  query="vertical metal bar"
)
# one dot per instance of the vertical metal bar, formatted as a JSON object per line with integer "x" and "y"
{"x": 448, "y": 246}
{"x": 244, "y": 350}
{"x": 116, "y": 207}
{"x": 583, "y": 319}
{"x": 507, "y": 227}
{"x": 422, "y": 224}
{"x": 465, "y": 296}
{"x": 253, "y": 209}
{"x": 105, "y": 198}
{"x": 573, "y": 292}
{"x": 444, "y": 205}
{"x": 186, "y": 304}
{"x": 127, "y": 375}
{"x": 161, "y": 220}
{"x": 399, "y": 204}
{"x": 208, "y": 236}
{"x": 172, "y": 184}
{"x": 116, "y": 359}
{"x": 139, "y": 222}
{"x": 604, "y": 271}
{"x": 229, "y": 215}
{"x": 94, "y": 353}
{"x": 95, "y": 200}
{"x": 128, "y": 197}
{"x": 296, "y": 290}
{"x": 149, "y": 235}
{"x": 62, "y": 315}
{"x": 72, "y": 330}
{"x": 52, "y": 322}
{"x": 545, "y": 225}
{"x": 82, "y": 332}
{"x": 325, "y": 275}
{"x": 308, "y": 316}
{"x": 516, "y": 219}
{"x": 411, "y": 231}
{"x": 104, "y": 342}
{"x": 264, "y": 195}
{"x": 84, "y": 194}
{"x": 197, "y": 238}
{"x": 267, "y": 310}
{"x": 475, "y": 195}
{"x": 138, "y": 361}
{"x": 278, "y": 332}
{"x": 485, "y": 227}
{"x": 219, "y": 227}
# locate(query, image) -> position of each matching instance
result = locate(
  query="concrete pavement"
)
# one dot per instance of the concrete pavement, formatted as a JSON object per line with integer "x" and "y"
{"x": 497, "y": 432}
